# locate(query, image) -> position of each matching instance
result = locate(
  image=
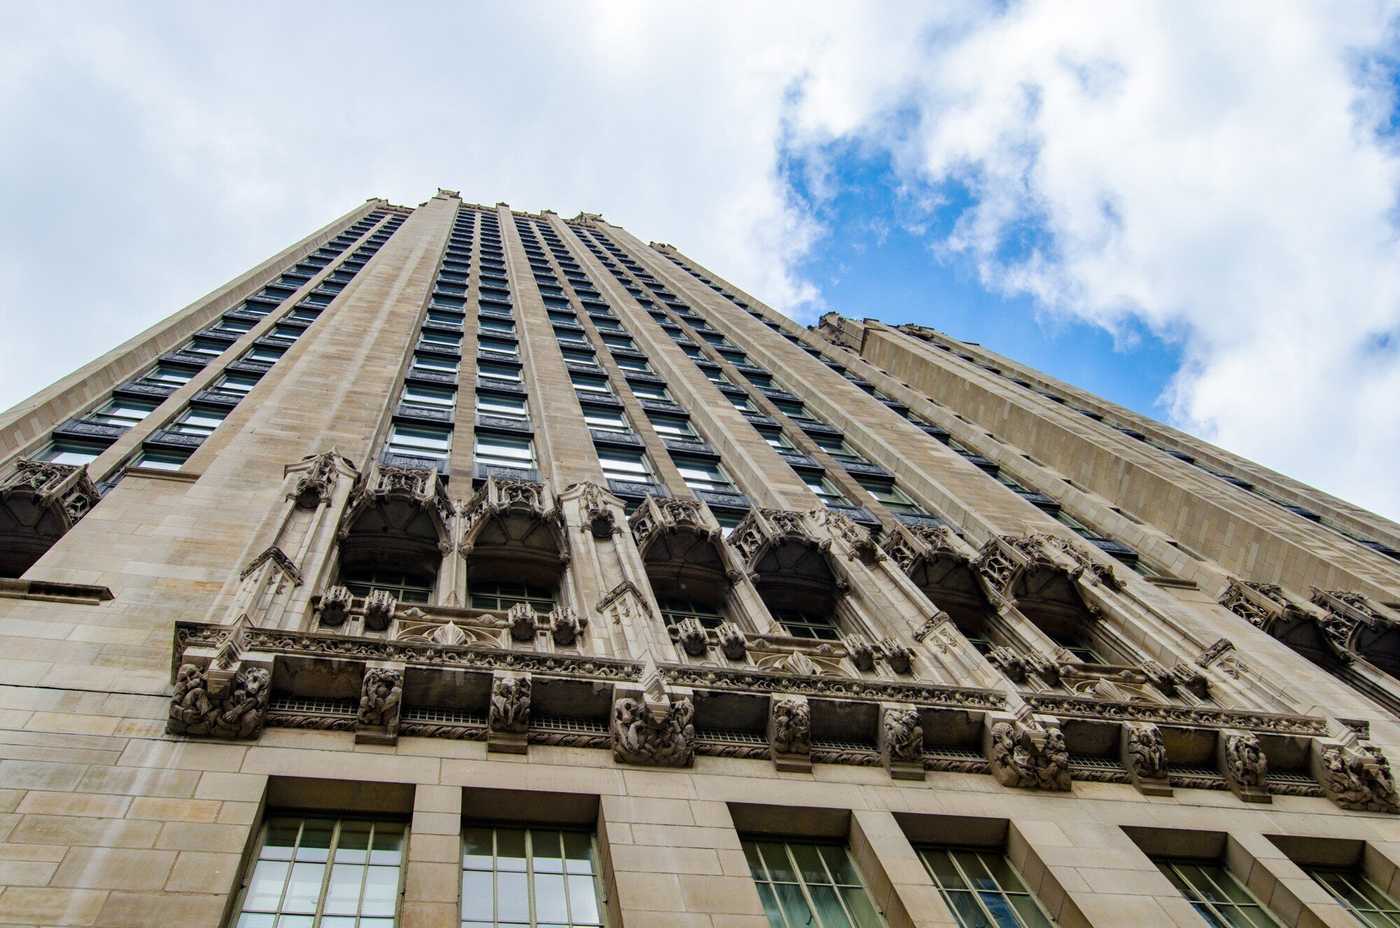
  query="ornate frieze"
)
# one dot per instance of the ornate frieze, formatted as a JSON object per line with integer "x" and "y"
{"x": 1186, "y": 716}
{"x": 856, "y": 537}
{"x": 908, "y": 545}
{"x": 381, "y": 701}
{"x": 500, "y": 495}
{"x": 1271, "y": 609}
{"x": 1356, "y": 775}
{"x": 1244, "y": 765}
{"x": 1029, "y": 753}
{"x": 411, "y": 486}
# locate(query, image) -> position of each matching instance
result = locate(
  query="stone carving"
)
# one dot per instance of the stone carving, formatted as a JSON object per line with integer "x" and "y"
{"x": 902, "y": 742}
{"x": 566, "y": 626}
{"x": 335, "y": 606}
{"x": 501, "y": 495}
{"x": 276, "y": 556}
{"x": 598, "y": 515}
{"x": 1217, "y": 650}
{"x": 65, "y": 486}
{"x": 1145, "y": 752}
{"x": 1026, "y": 753}
{"x": 380, "y": 606}
{"x": 765, "y": 528}
{"x": 510, "y": 703}
{"x": 855, "y": 536}
{"x": 381, "y": 695}
{"x": 790, "y": 725}
{"x": 732, "y": 641}
{"x": 235, "y": 711}
{"x": 663, "y": 515}
{"x": 898, "y": 656}
{"x": 657, "y": 734}
{"x": 1356, "y": 775}
{"x": 862, "y": 652}
{"x": 521, "y": 619}
{"x": 317, "y": 482}
{"x": 907, "y": 545}
{"x": 692, "y": 636}
{"x": 1244, "y": 765}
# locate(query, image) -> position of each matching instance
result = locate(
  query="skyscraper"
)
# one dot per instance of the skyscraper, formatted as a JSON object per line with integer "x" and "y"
{"x": 460, "y": 566}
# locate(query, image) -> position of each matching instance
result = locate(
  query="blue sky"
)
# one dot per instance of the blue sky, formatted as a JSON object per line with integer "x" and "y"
{"x": 1186, "y": 206}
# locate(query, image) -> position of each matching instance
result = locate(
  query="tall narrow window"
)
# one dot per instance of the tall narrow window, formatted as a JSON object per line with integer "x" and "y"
{"x": 502, "y": 451}
{"x": 536, "y": 877}
{"x": 624, "y": 465}
{"x": 1359, "y": 895}
{"x": 893, "y": 498}
{"x": 808, "y": 885}
{"x": 800, "y": 624}
{"x": 501, "y": 594}
{"x": 1215, "y": 894}
{"x": 982, "y": 889}
{"x": 702, "y": 474}
{"x": 420, "y": 441}
{"x": 335, "y": 873}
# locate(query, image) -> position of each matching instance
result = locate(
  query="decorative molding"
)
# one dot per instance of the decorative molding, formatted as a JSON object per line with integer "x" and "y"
{"x": 381, "y": 700}
{"x": 200, "y": 707}
{"x": 1244, "y": 765}
{"x": 1028, "y": 752}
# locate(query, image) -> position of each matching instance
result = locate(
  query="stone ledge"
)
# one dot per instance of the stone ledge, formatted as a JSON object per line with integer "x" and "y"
{"x": 55, "y": 591}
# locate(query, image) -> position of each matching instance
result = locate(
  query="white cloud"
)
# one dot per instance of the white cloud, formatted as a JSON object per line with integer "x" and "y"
{"x": 1207, "y": 169}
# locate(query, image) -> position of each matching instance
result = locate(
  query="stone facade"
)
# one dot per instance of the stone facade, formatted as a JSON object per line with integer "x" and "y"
{"x": 302, "y": 615}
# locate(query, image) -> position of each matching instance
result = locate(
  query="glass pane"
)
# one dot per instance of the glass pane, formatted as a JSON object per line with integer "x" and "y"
{"x": 549, "y": 898}
{"x": 971, "y": 864}
{"x": 578, "y": 848}
{"x": 512, "y": 898}
{"x": 1030, "y": 913}
{"x": 862, "y": 910}
{"x": 388, "y": 843}
{"x": 965, "y": 907}
{"x": 476, "y": 848}
{"x": 829, "y": 907}
{"x": 510, "y": 849}
{"x": 304, "y": 888}
{"x": 1002, "y": 913}
{"x": 1000, "y": 869}
{"x": 343, "y": 893}
{"x": 281, "y": 837}
{"x": 295, "y": 921}
{"x": 770, "y": 906}
{"x": 255, "y": 921}
{"x": 477, "y": 899}
{"x": 353, "y": 847}
{"x": 338, "y": 921}
{"x": 265, "y": 888}
{"x": 381, "y": 888}
{"x": 545, "y": 849}
{"x": 944, "y": 873}
{"x": 843, "y": 870}
{"x": 315, "y": 840}
{"x": 775, "y": 855}
{"x": 809, "y": 863}
{"x": 794, "y": 905}
{"x": 583, "y": 900}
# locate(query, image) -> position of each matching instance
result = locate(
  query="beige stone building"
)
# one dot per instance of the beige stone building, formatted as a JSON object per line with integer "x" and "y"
{"x": 459, "y": 566}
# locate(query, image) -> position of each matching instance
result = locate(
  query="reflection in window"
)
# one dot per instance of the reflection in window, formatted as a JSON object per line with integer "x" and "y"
{"x": 405, "y": 587}
{"x": 982, "y": 889}
{"x": 809, "y": 885}
{"x": 502, "y": 594}
{"x": 335, "y": 873}
{"x": 1215, "y": 894}
{"x": 1359, "y": 895}
{"x": 801, "y": 624}
{"x": 522, "y": 877}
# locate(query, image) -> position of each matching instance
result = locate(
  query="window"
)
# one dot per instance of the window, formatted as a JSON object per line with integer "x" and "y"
{"x": 529, "y": 877}
{"x": 422, "y": 395}
{"x": 824, "y": 489}
{"x": 741, "y": 403}
{"x": 236, "y": 383}
{"x": 490, "y": 344}
{"x": 1215, "y": 894}
{"x": 441, "y": 340}
{"x": 324, "y": 871}
{"x": 501, "y": 594}
{"x": 265, "y": 353}
{"x": 433, "y": 364}
{"x": 809, "y": 885}
{"x": 590, "y": 383}
{"x": 836, "y": 446}
{"x": 891, "y": 496}
{"x": 1082, "y": 652}
{"x": 982, "y": 889}
{"x": 792, "y": 408}
{"x": 1358, "y": 895}
{"x": 645, "y": 390}
{"x": 122, "y": 412}
{"x": 235, "y": 325}
{"x": 734, "y": 357}
{"x": 619, "y": 341}
{"x": 608, "y": 420}
{"x": 715, "y": 375}
{"x": 673, "y": 427}
{"x": 632, "y": 363}
{"x": 420, "y": 441}
{"x": 624, "y": 465}
{"x": 68, "y": 452}
{"x": 777, "y": 440}
{"x": 674, "y": 609}
{"x": 700, "y": 474}
{"x": 173, "y": 376}
{"x": 287, "y": 332}
{"x": 160, "y": 460}
{"x": 306, "y": 314}
{"x": 504, "y": 406}
{"x": 205, "y": 346}
{"x": 500, "y": 451}
{"x": 580, "y": 356}
{"x": 494, "y": 370}
{"x": 441, "y": 317}
{"x": 801, "y": 624}
{"x": 197, "y": 421}
{"x": 405, "y": 587}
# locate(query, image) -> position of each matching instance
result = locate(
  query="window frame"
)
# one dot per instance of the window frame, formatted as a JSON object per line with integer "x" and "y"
{"x": 756, "y": 849}
{"x": 975, "y": 890}
{"x": 528, "y": 871}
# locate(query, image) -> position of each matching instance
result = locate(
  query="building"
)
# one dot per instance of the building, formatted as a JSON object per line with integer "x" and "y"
{"x": 459, "y": 566}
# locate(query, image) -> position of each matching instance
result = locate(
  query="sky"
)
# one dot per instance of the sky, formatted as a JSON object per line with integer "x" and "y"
{"x": 1187, "y": 207}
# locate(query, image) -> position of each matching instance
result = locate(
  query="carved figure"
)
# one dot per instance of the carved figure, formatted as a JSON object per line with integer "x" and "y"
{"x": 380, "y": 695}
{"x": 901, "y": 735}
{"x": 899, "y": 657}
{"x": 692, "y": 636}
{"x": 1029, "y": 755}
{"x": 521, "y": 618}
{"x": 380, "y": 606}
{"x": 566, "y": 626}
{"x": 1245, "y": 762}
{"x": 662, "y": 736}
{"x": 862, "y": 652}
{"x": 1147, "y": 752}
{"x": 732, "y": 641}
{"x": 237, "y": 712}
{"x": 335, "y": 606}
{"x": 510, "y": 703}
{"x": 1358, "y": 777}
{"x": 791, "y": 729}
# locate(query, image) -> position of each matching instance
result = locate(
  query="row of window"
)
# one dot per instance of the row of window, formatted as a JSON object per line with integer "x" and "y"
{"x": 167, "y": 449}
{"x": 348, "y": 873}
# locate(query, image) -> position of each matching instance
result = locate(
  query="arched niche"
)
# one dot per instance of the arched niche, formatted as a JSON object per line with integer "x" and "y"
{"x": 394, "y": 532}
{"x": 681, "y": 550}
{"x": 39, "y": 502}
{"x": 510, "y": 536}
